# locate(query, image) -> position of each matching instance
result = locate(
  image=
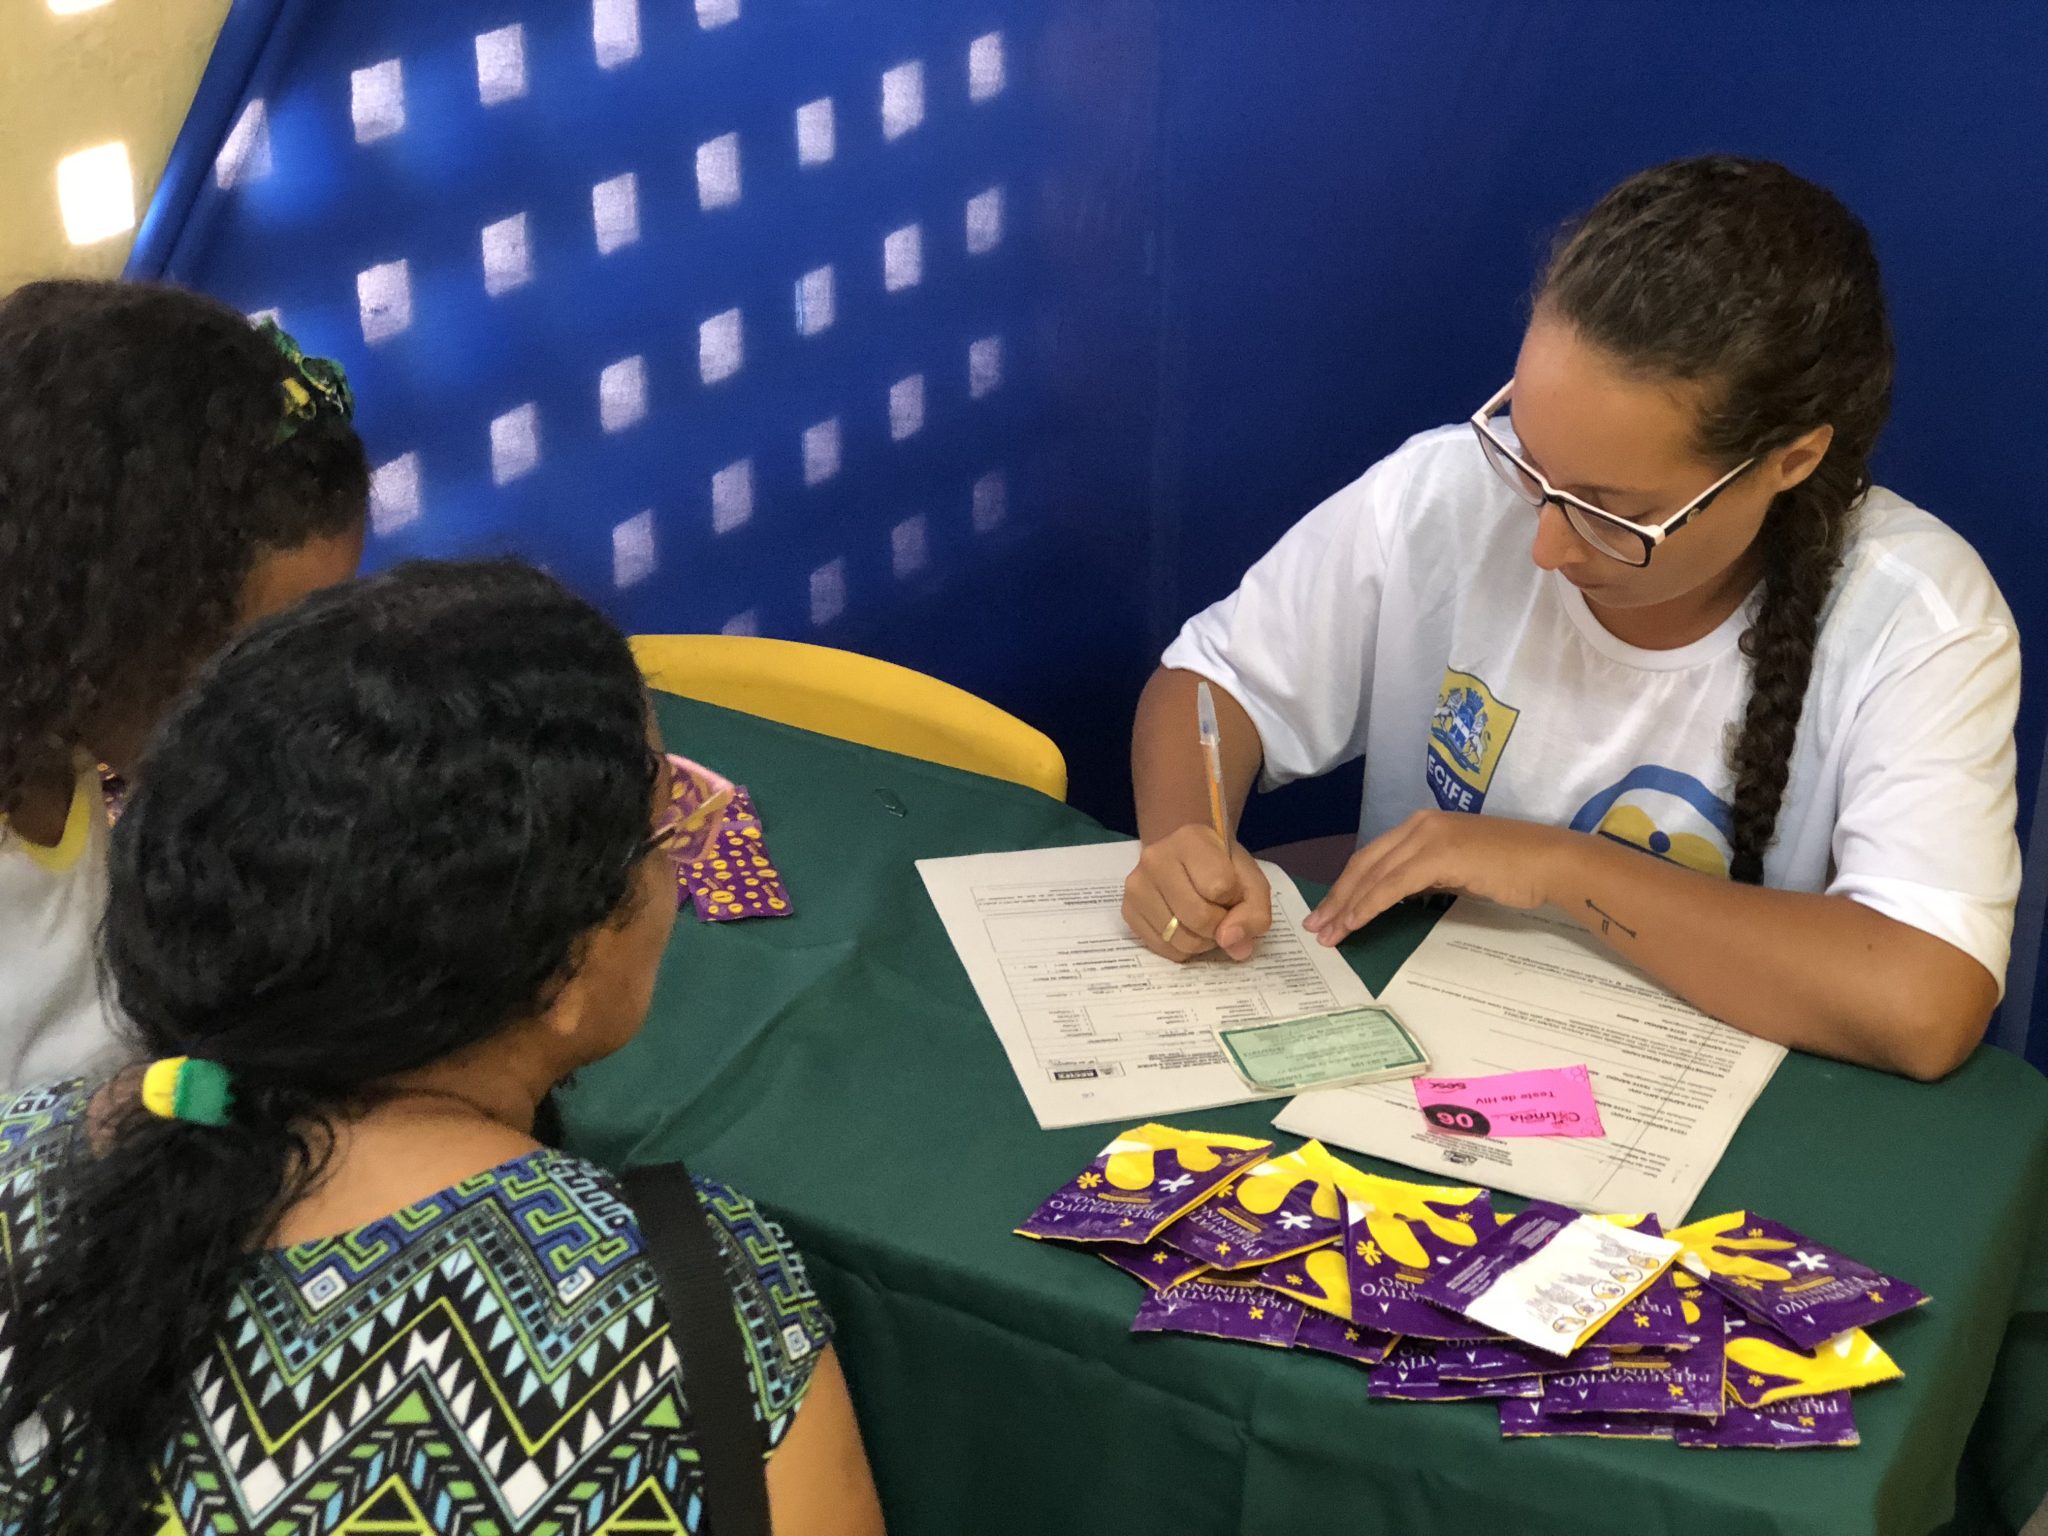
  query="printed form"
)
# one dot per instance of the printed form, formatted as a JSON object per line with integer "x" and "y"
{"x": 1096, "y": 1026}
{"x": 1491, "y": 990}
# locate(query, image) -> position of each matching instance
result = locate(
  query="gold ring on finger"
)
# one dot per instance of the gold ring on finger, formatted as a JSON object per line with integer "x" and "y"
{"x": 1172, "y": 927}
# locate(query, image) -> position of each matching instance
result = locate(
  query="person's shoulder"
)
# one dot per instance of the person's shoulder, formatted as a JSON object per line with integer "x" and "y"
{"x": 1448, "y": 445}
{"x": 37, "y": 1127}
{"x": 786, "y": 1325}
{"x": 760, "y": 1260}
{"x": 31, "y": 1117}
{"x": 1439, "y": 460}
{"x": 737, "y": 1216}
{"x": 1436, "y": 485}
{"x": 731, "y": 1214}
{"x": 1906, "y": 571}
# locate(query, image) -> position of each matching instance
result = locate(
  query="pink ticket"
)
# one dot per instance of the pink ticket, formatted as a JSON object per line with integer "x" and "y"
{"x": 1556, "y": 1101}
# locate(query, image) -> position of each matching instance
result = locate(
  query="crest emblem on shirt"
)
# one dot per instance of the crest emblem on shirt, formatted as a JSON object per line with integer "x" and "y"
{"x": 1468, "y": 731}
{"x": 1665, "y": 813}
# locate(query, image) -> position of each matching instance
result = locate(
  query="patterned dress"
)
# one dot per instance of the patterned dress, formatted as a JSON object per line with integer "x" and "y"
{"x": 494, "y": 1360}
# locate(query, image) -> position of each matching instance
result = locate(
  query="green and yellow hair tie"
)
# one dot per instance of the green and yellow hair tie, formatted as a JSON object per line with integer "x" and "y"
{"x": 181, "y": 1088}
{"x": 315, "y": 386}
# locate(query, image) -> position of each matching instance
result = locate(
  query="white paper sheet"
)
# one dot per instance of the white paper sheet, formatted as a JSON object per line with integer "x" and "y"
{"x": 1096, "y": 1026}
{"x": 1490, "y": 990}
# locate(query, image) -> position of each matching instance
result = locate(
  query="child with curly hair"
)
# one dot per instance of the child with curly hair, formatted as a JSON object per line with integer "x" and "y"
{"x": 168, "y": 473}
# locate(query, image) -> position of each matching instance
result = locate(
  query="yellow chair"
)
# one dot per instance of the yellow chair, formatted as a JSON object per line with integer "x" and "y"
{"x": 855, "y": 698}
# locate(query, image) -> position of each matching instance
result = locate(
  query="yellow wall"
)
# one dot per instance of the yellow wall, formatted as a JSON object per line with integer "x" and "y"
{"x": 126, "y": 71}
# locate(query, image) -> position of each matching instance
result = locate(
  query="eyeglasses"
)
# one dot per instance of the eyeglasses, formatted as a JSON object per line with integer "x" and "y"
{"x": 1628, "y": 542}
{"x": 691, "y": 813}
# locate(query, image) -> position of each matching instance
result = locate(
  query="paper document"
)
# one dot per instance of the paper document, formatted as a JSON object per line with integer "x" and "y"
{"x": 1097, "y": 1027}
{"x": 1490, "y": 990}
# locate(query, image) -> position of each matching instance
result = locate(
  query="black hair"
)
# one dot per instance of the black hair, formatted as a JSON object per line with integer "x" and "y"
{"x": 378, "y": 829}
{"x": 141, "y": 475}
{"x": 1763, "y": 287}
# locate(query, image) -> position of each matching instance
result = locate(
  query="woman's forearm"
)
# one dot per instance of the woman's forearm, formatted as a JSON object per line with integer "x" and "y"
{"x": 1818, "y": 973}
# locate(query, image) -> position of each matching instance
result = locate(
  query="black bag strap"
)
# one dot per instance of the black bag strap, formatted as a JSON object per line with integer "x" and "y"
{"x": 732, "y": 1441}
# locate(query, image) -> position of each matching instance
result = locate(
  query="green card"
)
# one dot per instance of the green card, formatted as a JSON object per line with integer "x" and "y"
{"x": 1324, "y": 1050}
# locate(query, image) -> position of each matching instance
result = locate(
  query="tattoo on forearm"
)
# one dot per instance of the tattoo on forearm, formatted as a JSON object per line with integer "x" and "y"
{"x": 1608, "y": 921}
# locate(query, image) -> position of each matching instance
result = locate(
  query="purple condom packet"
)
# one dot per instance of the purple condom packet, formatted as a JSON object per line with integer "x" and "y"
{"x": 1283, "y": 1206}
{"x": 1492, "y": 1361}
{"x": 1656, "y": 1319}
{"x": 1387, "y": 1282}
{"x": 1221, "y": 1307}
{"x": 1806, "y": 1290}
{"x": 1738, "y": 1324}
{"x": 1397, "y": 1388}
{"x": 1141, "y": 1181}
{"x": 1706, "y": 1332}
{"x": 1763, "y": 1370}
{"x": 1551, "y": 1276}
{"x": 1317, "y": 1279}
{"x": 1329, "y": 1335}
{"x": 1157, "y": 1265}
{"x": 1679, "y": 1384}
{"x": 1796, "y": 1424}
{"x": 1410, "y": 1375}
{"x": 1522, "y": 1420}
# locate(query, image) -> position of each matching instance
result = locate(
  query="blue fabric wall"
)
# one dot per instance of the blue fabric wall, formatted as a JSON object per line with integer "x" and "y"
{"x": 1243, "y": 249}
{"x": 821, "y": 455}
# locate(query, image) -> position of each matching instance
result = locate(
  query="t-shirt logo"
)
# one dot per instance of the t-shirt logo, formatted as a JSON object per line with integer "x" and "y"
{"x": 1665, "y": 813}
{"x": 1467, "y": 734}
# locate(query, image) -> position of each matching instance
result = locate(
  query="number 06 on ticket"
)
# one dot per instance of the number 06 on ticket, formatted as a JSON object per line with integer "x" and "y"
{"x": 1324, "y": 1050}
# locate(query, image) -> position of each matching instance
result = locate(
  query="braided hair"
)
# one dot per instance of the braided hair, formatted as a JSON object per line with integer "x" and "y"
{"x": 143, "y": 470}
{"x": 1765, "y": 288}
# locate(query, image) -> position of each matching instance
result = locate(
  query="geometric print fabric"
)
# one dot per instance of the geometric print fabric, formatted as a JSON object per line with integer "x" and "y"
{"x": 494, "y": 1360}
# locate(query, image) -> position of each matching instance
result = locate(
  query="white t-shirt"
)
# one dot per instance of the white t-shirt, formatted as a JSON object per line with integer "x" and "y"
{"x": 1403, "y": 620}
{"x": 52, "y": 1022}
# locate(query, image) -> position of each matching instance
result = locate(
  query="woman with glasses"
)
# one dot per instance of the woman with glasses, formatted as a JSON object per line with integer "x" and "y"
{"x": 1722, "y": 701}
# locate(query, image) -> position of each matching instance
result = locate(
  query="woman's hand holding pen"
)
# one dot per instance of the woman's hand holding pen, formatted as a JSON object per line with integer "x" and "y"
{"x": 1191, "y": 894}
{"x": 1194, "y": 888}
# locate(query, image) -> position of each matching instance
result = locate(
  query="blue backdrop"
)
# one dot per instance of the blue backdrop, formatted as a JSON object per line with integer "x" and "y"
{"x": 993, "y": 336}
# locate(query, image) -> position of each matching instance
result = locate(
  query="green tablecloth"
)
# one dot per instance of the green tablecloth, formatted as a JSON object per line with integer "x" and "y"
{"x": 836, "y": 1066}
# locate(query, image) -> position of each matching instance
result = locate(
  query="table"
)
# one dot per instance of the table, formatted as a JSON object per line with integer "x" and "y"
{"x": 836, "y": 1066}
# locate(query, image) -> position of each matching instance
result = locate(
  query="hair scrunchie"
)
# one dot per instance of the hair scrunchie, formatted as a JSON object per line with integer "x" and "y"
{"x": 182, "y": 1088}
{"x": 315, "y": 386}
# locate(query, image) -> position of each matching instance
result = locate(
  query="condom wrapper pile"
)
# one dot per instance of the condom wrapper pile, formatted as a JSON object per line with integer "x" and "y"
{"x": 1573, "y": 1325}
